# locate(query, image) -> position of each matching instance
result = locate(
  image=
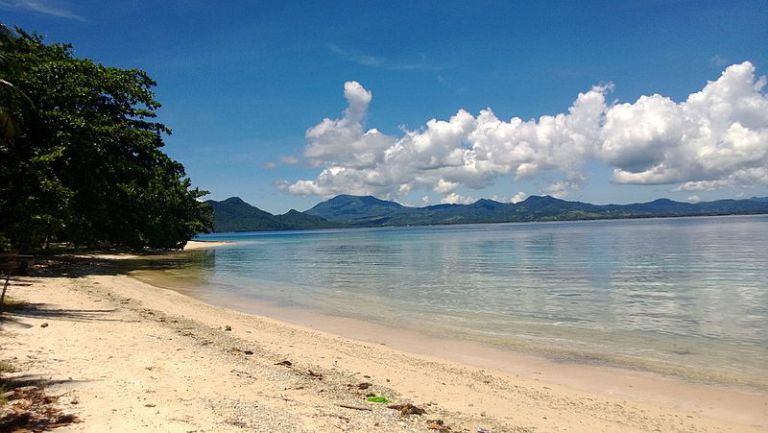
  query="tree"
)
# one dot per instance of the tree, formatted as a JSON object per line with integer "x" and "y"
{"x": 82, "y": 160}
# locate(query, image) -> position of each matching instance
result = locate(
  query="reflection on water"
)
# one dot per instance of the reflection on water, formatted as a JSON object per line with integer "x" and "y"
{"x": 685, "y": 296}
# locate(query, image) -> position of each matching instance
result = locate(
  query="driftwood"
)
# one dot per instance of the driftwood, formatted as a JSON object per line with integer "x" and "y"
{"x": 346, "y": 406}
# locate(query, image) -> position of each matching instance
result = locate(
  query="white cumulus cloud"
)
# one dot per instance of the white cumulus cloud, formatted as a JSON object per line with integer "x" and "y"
{"x": 343, "y": 141}
{"x": 717, "y": 137}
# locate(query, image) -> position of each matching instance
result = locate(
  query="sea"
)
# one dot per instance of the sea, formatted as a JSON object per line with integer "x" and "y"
{"x": 676, "y": 296}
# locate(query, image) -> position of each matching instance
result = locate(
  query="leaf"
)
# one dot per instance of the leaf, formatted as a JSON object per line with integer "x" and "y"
{"x": 378, "y": 399}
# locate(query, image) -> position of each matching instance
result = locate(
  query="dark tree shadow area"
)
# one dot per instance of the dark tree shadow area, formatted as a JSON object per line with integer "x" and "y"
{"x": 41, "y": 310}
{"x": 89, "y": 264}
{"x": 81, "y": 266}
{"x": 99, "y": 263}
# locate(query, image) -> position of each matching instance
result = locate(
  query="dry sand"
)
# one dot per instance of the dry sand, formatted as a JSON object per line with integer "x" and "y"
{"x": 131, "y": 357}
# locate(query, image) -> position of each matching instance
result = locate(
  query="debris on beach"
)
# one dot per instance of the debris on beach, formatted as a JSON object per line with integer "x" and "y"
{"x": 284, "y": 363}
{"x": 439, "y": 425}
{"x": 407, "y": 409}
{"x": 346, "y": 406}
{"x": 378, "y": 399}
{"x": 362, "y": 385}
{"x": 317, "y": 376}
{"x": 29, "y": 408}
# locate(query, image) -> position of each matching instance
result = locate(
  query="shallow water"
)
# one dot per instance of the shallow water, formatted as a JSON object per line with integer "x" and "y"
{"x": 683, "y": 296}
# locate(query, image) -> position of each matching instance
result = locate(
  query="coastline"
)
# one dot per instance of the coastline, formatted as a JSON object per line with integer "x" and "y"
{"x": 686, "y": 336}
{"x": 516, "y": 358}
{"x": 140, "y": 358}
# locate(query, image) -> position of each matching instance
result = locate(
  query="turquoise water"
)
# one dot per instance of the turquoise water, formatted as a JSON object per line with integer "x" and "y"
{"x": 685, "y": 296}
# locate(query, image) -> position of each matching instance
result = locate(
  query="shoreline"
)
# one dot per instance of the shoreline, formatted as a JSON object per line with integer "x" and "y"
{"x": 146, "y": 337}
{"x": 413, "y": 336}
{"x": 600, "y": 378}
{"x": 467, "y": 351}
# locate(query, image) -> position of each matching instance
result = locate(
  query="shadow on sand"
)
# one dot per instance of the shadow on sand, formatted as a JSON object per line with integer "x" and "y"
{"x": 77, "y": 266}
{"x": 194, "y": 264}
{"x": 24, "y": 403}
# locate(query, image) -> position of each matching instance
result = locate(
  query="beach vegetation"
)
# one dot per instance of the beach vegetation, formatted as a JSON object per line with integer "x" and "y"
{"x": 81, "y": 155}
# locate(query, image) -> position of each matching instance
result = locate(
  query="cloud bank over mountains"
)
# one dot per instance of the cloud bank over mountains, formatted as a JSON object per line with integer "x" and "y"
{"x": 716, "y": 138}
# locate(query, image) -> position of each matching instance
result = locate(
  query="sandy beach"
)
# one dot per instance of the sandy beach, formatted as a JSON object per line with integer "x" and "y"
{"x": 126, "y": 356}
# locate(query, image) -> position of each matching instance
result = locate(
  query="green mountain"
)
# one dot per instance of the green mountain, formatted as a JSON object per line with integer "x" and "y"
{"x": 370, "y": 211}
{"x": 235, "y": 215}
{"x": 295, "y": 220}
{"x": 356, "y": 210}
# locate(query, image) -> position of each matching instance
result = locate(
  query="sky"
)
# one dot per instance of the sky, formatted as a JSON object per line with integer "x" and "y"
{"x": 286, "y": 103}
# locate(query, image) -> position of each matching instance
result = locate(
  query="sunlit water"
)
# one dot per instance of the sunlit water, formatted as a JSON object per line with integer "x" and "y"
{"x": 686, "y": 296}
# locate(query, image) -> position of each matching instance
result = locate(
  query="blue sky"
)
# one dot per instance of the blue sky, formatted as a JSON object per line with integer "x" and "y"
{"x": 245, "y": 84}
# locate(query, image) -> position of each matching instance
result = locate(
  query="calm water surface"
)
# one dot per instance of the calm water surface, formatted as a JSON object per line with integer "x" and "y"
{"x": 686, "y": 296}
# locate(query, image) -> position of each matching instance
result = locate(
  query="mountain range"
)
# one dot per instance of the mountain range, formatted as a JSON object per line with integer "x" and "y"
{"x": 235, "y": 215}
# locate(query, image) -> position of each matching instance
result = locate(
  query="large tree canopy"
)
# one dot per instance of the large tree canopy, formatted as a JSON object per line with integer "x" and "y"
{"x": 81, "y": 157}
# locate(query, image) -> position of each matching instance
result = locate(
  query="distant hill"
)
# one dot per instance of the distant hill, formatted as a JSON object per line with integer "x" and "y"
{"x": 358, "y": 210}
{"x": 235, "y": 215}
{"x": 295, "y": 220}
{"x": 370, "y": 211}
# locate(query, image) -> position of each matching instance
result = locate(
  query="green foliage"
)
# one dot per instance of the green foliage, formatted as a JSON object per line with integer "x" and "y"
{"x": 80, "y": 155}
